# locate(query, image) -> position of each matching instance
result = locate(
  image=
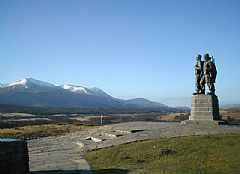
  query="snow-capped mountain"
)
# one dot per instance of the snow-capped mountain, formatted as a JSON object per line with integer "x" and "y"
{"x": 88, "y": 91}
{"x": 32, "y": 92}
{"x": 73, "y": 88}
{"x": 34, "y": 84}
{"x": 28, "y": 82}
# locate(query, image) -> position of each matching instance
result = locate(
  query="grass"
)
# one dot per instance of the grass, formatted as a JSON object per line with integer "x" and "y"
{"x": 37, "y": 131}
{"x": 207, "y": 154}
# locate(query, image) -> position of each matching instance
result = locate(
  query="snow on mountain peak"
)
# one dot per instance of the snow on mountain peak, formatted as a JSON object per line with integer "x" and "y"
{"x": 73, "y": 88}
{"x": 95, "y": 89}
{"x": 83, "y": 90}
{"x": 18, "y": 82}
{"x": 28, "y": 82}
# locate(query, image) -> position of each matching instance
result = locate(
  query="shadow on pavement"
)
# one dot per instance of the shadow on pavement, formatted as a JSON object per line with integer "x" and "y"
{"x": 100, "y": 171}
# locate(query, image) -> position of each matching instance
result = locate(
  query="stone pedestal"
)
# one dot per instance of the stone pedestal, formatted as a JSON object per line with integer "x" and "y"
{"x": 204, "y": 109}
{"x": 13, "y": 157}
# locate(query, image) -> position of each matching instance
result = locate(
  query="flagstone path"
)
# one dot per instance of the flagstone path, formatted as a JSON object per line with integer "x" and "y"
{"x": 64, "y": 154}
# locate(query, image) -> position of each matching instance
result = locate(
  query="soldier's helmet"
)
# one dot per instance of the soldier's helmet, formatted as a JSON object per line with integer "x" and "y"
{"x": 206, "y": 56}
{"x": 198, "y": 56}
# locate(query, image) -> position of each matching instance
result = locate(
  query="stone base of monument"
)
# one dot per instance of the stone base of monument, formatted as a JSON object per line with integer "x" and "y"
{"x": 14, "y": 157}
{"x": 204, "y": 110}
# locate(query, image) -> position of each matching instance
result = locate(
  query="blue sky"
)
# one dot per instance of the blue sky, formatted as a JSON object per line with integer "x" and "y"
{"x": 128, "y": 48}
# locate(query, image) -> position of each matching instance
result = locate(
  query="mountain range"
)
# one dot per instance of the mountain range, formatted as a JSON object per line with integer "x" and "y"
{"x": 32, "y": 92}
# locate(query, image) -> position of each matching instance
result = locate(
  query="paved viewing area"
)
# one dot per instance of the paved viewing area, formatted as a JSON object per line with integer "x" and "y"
{"x": 64, "y": 154}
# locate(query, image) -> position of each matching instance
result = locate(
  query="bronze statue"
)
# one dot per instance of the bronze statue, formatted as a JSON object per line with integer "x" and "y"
{"x": 206, "y": 73}
{"x": 198, "y": 75}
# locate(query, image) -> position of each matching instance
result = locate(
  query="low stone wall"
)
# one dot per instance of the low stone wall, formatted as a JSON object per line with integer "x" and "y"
{"x": 13, "y": 157}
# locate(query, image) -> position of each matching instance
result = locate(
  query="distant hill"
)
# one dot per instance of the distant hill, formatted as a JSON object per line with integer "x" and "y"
{"x": 183, "y": 108}
{"x": 226, "y": 106}
{"x": 37, "y": 93}
{"x": 80, "y": 110}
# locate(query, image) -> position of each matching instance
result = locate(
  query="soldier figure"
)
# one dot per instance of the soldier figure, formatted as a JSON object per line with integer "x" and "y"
{"x": 210, "y": 73}
{"x": 198, "y": 75}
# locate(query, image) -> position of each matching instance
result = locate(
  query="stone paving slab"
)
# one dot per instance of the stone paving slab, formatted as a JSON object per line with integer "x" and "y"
{"x": 64, "y": 153}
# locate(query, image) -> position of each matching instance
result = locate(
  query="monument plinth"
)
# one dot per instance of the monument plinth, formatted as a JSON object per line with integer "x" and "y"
{"x": 204, "y": 109}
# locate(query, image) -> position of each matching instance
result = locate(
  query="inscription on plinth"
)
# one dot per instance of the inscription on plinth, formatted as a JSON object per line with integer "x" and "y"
{"x": 204, "y": 107}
